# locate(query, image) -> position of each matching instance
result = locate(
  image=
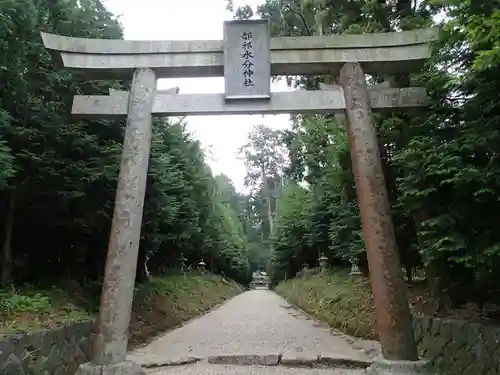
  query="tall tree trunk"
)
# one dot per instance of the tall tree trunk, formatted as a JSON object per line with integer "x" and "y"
{"x": 6, "y": 270}
{"x": 270, "y": 214}
{"x": 409, "y": 273}
{"x": 269, "y": 208}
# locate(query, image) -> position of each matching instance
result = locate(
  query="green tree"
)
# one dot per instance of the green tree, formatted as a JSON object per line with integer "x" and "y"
{"x": 265, "y": 160}
{"x": 440, "y": 164}
{"x": 58, "y": 176}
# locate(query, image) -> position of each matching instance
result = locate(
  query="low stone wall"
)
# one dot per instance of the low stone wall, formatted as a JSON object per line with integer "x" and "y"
{"x": 458, "y": 347}
{"x": 57, "y": 352}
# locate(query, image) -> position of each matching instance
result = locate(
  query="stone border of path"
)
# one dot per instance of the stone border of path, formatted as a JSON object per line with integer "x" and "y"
{"x": 331, "y": 361}
{"x": 177, "y": 362}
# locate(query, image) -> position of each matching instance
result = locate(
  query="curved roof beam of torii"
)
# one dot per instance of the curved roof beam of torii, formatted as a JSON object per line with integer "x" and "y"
{"x": 382, "y": 53}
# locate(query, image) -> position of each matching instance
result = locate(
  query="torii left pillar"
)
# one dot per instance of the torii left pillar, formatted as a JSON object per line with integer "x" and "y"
{"x": 110, "y": 347}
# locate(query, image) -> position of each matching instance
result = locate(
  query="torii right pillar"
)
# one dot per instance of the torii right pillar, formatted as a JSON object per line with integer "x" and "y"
{"x": 393, "y": 316}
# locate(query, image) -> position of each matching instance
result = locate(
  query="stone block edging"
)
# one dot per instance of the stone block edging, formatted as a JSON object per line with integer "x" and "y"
{"x": 47, "y": 352}
{"x": 176, "y": 362}
{"x": 275, "y": 359}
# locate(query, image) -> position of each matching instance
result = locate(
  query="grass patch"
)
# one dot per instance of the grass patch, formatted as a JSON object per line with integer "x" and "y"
{"x": 345, "y": 302}
{"x": 26, "y": 309}
{"x": 337, "y": 299}
{"x": 159, "y": 305}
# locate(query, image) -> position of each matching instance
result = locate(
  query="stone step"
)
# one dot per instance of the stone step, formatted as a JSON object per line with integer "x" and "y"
{"x": 204, "y": 368}
{"x": 284, "y": 360}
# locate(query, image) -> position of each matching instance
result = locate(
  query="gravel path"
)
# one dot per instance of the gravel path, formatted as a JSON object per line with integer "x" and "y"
{"x": 255, "y": 322}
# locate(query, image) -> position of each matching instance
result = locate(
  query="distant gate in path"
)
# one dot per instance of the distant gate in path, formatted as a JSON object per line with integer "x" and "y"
{"x": 260, "y": 279}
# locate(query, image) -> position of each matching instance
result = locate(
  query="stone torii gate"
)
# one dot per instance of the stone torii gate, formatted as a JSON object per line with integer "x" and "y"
{"x": 247, "y": 58}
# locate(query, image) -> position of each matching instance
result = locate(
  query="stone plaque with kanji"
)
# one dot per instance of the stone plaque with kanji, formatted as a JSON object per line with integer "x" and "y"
{"x": 247, "y": 60}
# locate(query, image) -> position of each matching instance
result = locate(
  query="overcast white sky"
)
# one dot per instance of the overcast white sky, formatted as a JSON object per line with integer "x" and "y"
{"x": 197, "y": 20}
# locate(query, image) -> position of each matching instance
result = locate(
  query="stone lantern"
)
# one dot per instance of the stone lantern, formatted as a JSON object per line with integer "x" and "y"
{"x": 183, "y": 261}
{"x": 305, "y": 267}
{"x": 323, "y": 262}
{"x": 202, "y": 266}
{"x": 354, "y": 267}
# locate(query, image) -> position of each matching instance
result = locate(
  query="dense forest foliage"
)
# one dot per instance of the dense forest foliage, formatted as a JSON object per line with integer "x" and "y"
{"x": 58, "y": 174}
{"x": 441, "y": 164}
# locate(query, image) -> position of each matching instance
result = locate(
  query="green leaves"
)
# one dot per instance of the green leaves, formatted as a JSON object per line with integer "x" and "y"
{"x": 6, "y": 165}
{"x": 483, "y": 34}
{"x": 65, "y": 170}
{"x": 441, "y": 164}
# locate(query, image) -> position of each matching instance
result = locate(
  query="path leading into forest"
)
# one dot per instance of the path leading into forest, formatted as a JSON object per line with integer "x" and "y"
{"x": 256, "y": 327}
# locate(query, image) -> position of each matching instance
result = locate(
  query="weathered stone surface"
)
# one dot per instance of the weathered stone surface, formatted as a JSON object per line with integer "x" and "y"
{"x": 379, "y": 53}
{"x": 175, "y": 362}
{"x": 247, "y": 59}
{"x": 246, "y": 360}
{"x": 46, "y": 342}
{"x": 210, "y": 104}
{"x": 336, "y": 360}
{"x": 125, "y": 47}
{"x": 302, "y": 101}
{"x": 417, "y": 331}
{"x": 457, "y": 347}
{"x": 68, "y": 351}
{"x": 63, "y": 370}
{"x": 385, "y": 367}
{"x": 122, "y": 368}
{"x": 12, "y": 366}
{"x": 85, "y": 345}
{"x": 203, "y": 368}
{"x": 58, "y": 335}
{"x": 125, "y": 94}
{"x": 56, "y": 352}
{"x": 23, "y": 342}
{"x": 38, "y": 367}
{"x": 117, "y": 291}
{"x": 77, "y": 331}
{"x": 299, "y": 359}
{"x": 6, "y": 348}
{"x": 28, "y": 359}
{"x": 72, "y": 368}
{"x": 54, "y": 359}
{"x": 80, "y": 356}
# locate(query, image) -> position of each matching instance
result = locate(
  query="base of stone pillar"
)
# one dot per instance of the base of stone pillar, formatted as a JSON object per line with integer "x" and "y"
{"x": 122, "y": 368}
{"x": 386, "y": 367}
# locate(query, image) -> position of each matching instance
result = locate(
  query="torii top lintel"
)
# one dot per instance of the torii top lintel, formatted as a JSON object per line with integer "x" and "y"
{"x": 383, "y": 53}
